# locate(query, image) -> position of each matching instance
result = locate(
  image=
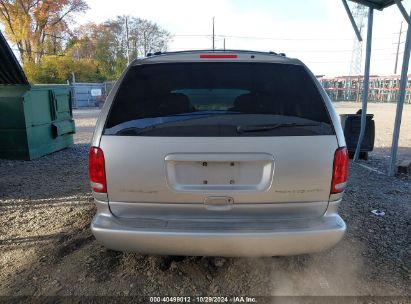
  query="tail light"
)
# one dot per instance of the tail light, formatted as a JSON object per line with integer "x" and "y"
{"x": 96, "y": 170}
{"x": 340, "y": 170}
{"x": 218, "y": 56}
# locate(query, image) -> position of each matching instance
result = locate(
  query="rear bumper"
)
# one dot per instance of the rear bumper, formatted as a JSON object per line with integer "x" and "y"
{"x": 231, "y": 239}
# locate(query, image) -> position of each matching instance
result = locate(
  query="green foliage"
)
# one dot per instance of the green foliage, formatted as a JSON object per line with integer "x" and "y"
{"x": 51, "y": 50}
{"x": 58, "y": 69}
{"x": 107, "y": 42}
{"x": 36, "y": 27}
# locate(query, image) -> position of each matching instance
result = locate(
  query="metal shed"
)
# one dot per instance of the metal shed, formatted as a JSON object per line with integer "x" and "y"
{"x": 34, "y": 119}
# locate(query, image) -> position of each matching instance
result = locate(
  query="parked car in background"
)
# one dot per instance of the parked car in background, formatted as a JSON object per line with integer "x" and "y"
{"x": 218, "y": 153}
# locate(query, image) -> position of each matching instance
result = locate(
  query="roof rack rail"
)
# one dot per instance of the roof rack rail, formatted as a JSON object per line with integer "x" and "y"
{"x": 214, "y": 51}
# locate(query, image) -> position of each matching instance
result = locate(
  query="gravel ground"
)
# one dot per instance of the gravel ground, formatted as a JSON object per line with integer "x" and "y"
{"x": 384, "y": 116}
{"x": 47, "y": 247}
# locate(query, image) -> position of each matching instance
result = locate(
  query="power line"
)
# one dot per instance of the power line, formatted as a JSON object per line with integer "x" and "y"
{"x": 331, "y": 51}
{"x": 308, "y": 61}
{"x": 298, "y": 51}
{"x": 272, "y": 38}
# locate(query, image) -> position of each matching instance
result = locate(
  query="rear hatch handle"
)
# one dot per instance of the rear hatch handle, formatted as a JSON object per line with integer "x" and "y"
{"x": 218, "y": 203}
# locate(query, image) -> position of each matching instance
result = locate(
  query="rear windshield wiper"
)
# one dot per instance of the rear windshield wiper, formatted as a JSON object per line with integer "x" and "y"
{"x": 200, "y": 113}
{"x": 136, "y": 130}
{"x": 196, "y": 116}
{"x": 240, "y": 129}
{"x": 260, "y": 128}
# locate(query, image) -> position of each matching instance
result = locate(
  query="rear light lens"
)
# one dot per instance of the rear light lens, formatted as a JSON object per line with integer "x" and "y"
{"x": 340, "y": 170}
{"x": 97, "y": 170}
{"x": 218, "y": 56}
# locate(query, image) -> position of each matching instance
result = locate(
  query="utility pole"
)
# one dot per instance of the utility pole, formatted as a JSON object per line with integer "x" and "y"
{"x": 398, "y": 49}
{"x": 224, "y": 44}
{"x": 213, "y": 35}
{"x": 127, "y": 45}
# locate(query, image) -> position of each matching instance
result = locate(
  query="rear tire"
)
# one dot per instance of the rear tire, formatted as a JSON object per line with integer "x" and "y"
{"x": 363, "y": 155}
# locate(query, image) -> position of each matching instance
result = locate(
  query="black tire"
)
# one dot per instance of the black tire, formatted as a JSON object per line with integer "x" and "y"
{"x": 363, "y": 155}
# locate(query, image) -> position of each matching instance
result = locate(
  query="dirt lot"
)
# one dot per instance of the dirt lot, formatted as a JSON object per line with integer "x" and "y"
{"x": 47, "y": 248}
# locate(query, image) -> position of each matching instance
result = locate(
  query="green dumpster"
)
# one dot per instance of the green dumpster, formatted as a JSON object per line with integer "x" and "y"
{"x": 35, "y": 120}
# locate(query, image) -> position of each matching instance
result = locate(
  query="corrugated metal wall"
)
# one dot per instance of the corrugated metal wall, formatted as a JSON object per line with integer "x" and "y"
{"x": 84, "y": 94}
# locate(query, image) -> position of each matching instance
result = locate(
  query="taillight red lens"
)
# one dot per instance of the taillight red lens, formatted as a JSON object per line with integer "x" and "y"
{"x": 340, "y": 170}
{"x": 218, "y": 56}
{"x": 96, "y": 170}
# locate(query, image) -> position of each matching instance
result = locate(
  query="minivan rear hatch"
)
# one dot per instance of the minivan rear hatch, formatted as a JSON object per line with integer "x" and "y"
{"x": 218, "y": 139}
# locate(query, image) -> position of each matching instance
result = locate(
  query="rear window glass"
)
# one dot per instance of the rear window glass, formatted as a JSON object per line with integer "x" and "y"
{"x": 218, "y": 99}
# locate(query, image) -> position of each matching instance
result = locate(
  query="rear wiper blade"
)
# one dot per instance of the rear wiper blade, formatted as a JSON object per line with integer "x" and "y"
{"x": 214, "y": 112}
{"x": 136, "y": 130}
{"x": 260, "y": 128}
{"x": 140, "y": 130}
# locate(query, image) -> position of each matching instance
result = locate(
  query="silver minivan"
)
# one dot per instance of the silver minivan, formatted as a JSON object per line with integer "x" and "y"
{"x": 218, "y": 153}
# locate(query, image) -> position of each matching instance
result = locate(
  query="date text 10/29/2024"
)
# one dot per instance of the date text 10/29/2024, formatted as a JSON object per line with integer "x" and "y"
{"x": 199, "y": 299}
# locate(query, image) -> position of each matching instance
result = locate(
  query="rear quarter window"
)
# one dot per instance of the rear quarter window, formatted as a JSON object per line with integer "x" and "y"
{"x": 218, "y": 99}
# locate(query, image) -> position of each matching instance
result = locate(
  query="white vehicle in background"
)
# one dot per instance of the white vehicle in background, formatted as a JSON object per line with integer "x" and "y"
{"x": 218, "y": 153}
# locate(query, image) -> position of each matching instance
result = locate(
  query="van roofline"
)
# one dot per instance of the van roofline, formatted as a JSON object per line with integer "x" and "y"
{"x": 216, "y": 51}
{"x": 270, "y": 56}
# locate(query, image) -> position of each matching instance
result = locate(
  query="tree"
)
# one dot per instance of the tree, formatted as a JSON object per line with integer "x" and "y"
{"x": 49, "y": 48}
{"x": 99, "y": 42}
{"x": 107, "y": 42}
{"x": 38, "y": 26}
{"x": 58, "y": 69}
{"x": 145, "y": 36}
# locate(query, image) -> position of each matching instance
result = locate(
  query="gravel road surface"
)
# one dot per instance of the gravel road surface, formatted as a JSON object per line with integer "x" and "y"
{"x": 47, "y": 248}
